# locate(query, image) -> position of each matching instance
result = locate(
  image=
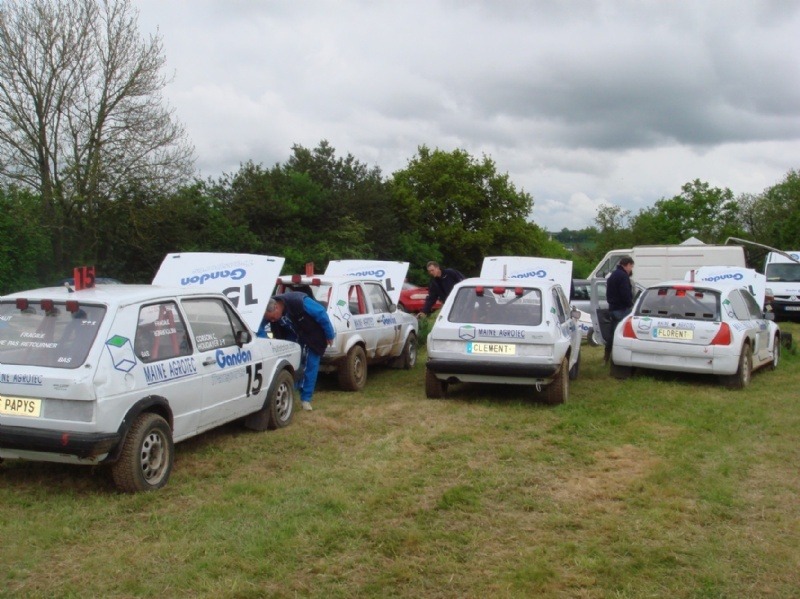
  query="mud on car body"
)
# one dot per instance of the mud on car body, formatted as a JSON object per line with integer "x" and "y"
{"x": 117, "y": 374}
{"x": 360, "y": 297}
{"x": 518, "y": 329}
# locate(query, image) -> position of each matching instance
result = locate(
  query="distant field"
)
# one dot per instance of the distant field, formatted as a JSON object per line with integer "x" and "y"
{"x": 659, "y": 486}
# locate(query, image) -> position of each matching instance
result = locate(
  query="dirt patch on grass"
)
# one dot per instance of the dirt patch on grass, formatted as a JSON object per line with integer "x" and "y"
{"x": 610, "y": 476}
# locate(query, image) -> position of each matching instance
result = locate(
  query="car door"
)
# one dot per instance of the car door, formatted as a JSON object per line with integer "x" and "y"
{"x": 568, "y": 326}
{"x": 761, "y": 353}
{"x": 387, "y": 329}
{"x": 233, "y": 376}
{"x": 169, "y": 366}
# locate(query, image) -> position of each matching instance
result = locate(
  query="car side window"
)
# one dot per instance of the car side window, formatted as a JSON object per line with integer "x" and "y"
{"x": 161, "y": 333}
{"x": 377, "y": 297}
{"x": 213, "y": 323}
{"x": 355, "y": 300}
{"x": 752, "y": 306}
{"x": 738, "y": 305}
{"x": 559, "y": 304}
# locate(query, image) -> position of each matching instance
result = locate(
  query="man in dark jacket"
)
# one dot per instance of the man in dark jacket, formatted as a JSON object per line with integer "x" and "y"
{"x": 442, "y": 282}
{"x": 295, "y": 316}
{"x": 619, "y": 293}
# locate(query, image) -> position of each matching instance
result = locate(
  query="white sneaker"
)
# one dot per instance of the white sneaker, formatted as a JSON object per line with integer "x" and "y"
{"x": 307, "y": 406}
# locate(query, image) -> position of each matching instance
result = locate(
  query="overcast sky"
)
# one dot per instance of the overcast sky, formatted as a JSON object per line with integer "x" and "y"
{"x": 581, "y": 102}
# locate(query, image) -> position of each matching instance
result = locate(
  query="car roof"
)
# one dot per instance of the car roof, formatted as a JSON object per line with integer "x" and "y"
{"x": 509, "y": 283}
{"x": 327, "y": 279}
{"x": 116, "y": 295}
{"x": 710, "y": 285}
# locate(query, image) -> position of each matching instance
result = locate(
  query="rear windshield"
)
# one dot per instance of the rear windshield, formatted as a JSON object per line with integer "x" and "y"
{"x": 511, "y": 305}
{"x": 680, "y": 302}
{"x": 55, "y": 337}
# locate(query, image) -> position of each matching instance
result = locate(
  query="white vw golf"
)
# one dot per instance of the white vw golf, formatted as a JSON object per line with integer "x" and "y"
{"x": 117, "y": 374}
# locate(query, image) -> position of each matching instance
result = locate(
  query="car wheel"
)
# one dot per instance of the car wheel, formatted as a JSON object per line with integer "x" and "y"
{"x": 576, "y": 368}
{"x": 147, "y": 456}
{"x": 620, "y": 372}
{"x": 741, "y": 379}
{"x": 353, "y": 373}
{"x": 278, "y": 408}
{"x": 434, "y": 388}
{"x": 557, "y": 392}
{"x": 776, "y": 353}
{"x": 408, "y": 359}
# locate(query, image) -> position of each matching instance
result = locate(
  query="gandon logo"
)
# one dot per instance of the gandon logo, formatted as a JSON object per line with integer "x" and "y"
{"x": 378, "y": 274}
{"x": 735, "y": 276}
{"x": 234, "y": 275}
{"x": 531, "y": 274}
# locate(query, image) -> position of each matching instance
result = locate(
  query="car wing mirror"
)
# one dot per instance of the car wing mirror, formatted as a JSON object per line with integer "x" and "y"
{"x": 392, "y": 307}
{"x": 243, "y": 337}
{"x": 575, "y": 314}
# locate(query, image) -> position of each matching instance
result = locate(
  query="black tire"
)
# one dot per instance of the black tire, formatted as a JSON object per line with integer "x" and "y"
{"x": 147, "y": 456}
{"x": 620, "y": 372}
{"x": 434, "y": 388}
{"x": 408, "y": 359}
{"x": 278, "y": 407}
{"x": 353, "y": 372}
{"x": 557, "y": 392}
{"x": 776, "y": 353}
{"x": 576, "y": 368}
{"x": 744, "y": 373}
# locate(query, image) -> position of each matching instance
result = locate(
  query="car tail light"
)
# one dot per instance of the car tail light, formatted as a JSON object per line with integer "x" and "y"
{"x": 627, "y": 328}
{"x": 723, "y": 336}
{"x": 22, "y": 304}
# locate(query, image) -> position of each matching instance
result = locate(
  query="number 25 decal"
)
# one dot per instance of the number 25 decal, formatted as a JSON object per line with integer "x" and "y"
{"x": 254, "y": 379}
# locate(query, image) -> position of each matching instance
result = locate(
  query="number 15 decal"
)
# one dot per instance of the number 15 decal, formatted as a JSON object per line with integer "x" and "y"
{"x": 254, "y": 379}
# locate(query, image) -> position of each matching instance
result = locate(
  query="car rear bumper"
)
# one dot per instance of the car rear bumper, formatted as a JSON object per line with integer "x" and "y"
{"x": 699, "y": 359}
{"x": 446, "y": 366}
{"x": 90, "y": 447}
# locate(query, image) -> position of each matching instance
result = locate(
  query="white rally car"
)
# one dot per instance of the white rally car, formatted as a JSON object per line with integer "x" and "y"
{"x": 361, "y": 299}
{"x": 512, "y": 325}
{"x": 713, "y": 326}
{"x": 117, "y": 374}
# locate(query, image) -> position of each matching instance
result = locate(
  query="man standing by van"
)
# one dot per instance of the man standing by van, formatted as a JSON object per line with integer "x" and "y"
{"x": 619, "y": 293}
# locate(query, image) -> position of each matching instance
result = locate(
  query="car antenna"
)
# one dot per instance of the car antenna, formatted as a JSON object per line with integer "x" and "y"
{"x": 70, "y": 289}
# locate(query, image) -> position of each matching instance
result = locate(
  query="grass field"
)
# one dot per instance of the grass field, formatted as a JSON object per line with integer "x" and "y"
{"x": 658, "y": 486}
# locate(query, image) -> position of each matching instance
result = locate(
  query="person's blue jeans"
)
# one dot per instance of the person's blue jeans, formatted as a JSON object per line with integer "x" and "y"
{"x": 309, "y": 380}
{"x": 617, "y": 316}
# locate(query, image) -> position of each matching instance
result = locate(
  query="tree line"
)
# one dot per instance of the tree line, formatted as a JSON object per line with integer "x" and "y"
{"x": 96, "y": 170}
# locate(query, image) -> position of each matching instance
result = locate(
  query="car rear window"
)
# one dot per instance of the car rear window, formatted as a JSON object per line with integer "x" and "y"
{"x": 509, "y": 306}
{"x": 680, "y": 302}
{"x": 38, "y": 333}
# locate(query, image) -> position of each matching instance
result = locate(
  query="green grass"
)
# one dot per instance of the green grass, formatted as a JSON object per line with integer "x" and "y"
{"x": 658, "y": 486}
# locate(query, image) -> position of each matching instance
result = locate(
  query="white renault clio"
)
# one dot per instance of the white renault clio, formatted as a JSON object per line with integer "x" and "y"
{"x": 714, "y": 325}
{"x": 118, "y": 373}
{"x": 511, "y": 325}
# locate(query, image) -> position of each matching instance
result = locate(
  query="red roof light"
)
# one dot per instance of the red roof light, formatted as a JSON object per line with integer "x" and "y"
{"x": 22, "y": 303}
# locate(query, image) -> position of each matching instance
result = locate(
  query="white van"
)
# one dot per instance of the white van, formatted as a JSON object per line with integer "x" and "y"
{"x": 783, "y": 284}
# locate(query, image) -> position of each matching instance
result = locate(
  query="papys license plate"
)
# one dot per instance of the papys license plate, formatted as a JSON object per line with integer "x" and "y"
{"x": 674, "y": 334}
{"x": 504, "y": 349}
{"x": 18, "y": 406}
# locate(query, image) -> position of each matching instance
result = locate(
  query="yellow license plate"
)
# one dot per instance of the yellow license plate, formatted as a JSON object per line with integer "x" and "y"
{"x": 18, "y": 406}
{"x": 674, "y": 334}
{"x": 502, "y": 349}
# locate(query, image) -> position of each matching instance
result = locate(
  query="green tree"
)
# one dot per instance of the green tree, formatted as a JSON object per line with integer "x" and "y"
{"x": 81, "y": 114}
{"x": 24, "y": 247}
{"x": 708, "y": 213}
{"x": 773, "y": 217}
{"x": 463, "y": 207}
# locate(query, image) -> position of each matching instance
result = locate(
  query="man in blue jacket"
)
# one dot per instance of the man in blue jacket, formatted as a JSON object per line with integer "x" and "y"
{"x": 442, "y": 282}
{"x": 619, "y": 294}
{"x": 295, "y": 316}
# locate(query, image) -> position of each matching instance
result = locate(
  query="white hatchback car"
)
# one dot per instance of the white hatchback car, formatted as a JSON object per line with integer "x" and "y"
{"x": 117, "y": 374}
{"x": 704, "y": 327}
{"x": 516, "y": 330}
{"x": 369, "y": 327}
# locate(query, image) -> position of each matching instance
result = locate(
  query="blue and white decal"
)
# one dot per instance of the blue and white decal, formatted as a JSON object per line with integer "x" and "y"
{"x": 123, "y": 357}
{"x": 9, "y": 378}
{"x": 169, "y": 370}
{"x": 226, "y": 359}
{"x": 390, "y": 274}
